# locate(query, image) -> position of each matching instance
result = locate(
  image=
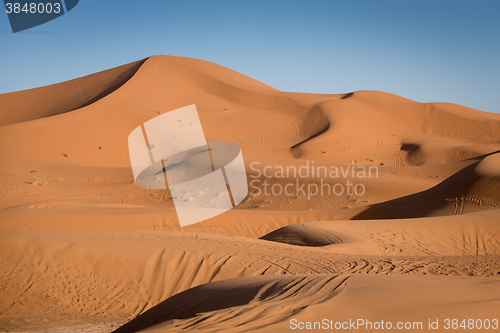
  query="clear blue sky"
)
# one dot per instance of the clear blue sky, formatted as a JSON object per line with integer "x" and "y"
{"x": 428, "y": 51}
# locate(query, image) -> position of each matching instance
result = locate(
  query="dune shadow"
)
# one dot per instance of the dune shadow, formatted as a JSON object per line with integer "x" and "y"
{"x": 422, "y": 204}
{"x": 300, "y": 234}
{"x": 187, "y": 304}
{"x": 66, "y": 96}
{"x": 348, "y": 95}
{"x": 315, "y": 135}
{"x": 316, "y": 124}
{"x": 120, "y": 81}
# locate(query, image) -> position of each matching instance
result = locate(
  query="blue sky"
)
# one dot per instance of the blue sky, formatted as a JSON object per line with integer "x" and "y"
{"x": 429, "y": 51}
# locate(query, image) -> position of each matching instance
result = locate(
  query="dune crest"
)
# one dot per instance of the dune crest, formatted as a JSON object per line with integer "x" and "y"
{"x": 63, "y": 97}
{"x": 82, "y": 247}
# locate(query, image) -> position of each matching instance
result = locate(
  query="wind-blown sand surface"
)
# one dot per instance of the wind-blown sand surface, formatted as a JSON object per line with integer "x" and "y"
{"x": 83, "y": 248}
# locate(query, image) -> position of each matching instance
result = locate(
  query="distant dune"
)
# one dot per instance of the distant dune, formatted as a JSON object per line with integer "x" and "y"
{"x": 63, "y": 97}
{"x": 82, "y": 246}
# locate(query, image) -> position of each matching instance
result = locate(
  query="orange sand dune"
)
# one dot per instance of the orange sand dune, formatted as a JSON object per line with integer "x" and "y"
{"x": 476, "y": 187}
{"x": 468, "y": 234}
{"x": 63, "y": 97}
{"x": 320, "y": 301}
{"x": 98, "y": 277}
{"x": 82, "y": 247}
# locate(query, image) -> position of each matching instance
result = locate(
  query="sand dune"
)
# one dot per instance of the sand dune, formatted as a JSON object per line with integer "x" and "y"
{"x": 63, "y": 97}
{"x": 469, "y": 234}
{"x": 474, "y": 188}
{"x": 273, "y": 303}
{"x": 68, "y": 276}
{"x": 82, "y": 247}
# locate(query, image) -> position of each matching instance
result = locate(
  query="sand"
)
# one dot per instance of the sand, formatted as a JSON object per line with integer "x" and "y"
{"x": 84, "y": 249}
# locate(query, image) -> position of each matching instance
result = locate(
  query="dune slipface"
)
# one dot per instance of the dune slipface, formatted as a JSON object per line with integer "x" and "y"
{"x": 413, "y": 237}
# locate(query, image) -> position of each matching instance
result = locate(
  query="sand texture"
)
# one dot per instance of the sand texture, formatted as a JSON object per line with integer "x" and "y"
{"x": 84, "y": 249}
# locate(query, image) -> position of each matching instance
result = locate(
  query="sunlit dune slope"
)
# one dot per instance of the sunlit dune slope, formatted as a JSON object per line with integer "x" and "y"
{"x": 81, "y": 243}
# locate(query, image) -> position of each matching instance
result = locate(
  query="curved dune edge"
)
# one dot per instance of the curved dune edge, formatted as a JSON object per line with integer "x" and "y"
{"x": 62, "y": 278}
{"x": 469, "y": 234}
{"x": 81, "y": 244}
{"x": 64, "y": 97}
{"x": 273, "y": 303}
{"x": 474, "y": 188}
{"x": 303, "y": 234}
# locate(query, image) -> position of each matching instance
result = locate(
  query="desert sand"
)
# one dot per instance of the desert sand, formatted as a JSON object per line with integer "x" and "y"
{"x": 84, "y": 249}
